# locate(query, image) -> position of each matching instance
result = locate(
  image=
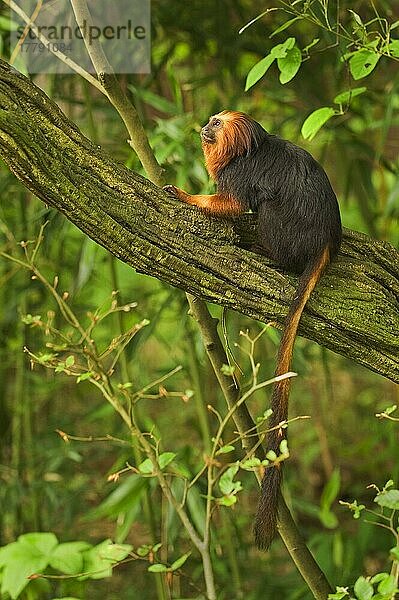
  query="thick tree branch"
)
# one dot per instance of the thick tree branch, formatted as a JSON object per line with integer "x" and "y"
{"x": 354, "y": 310}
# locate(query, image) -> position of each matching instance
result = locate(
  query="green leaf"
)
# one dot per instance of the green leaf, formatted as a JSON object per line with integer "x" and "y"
{"x": 158, "y": 568}
{"x": 45, "y": 357}
{"x": 228, "y": 370}
{"x": 127, "y": 494}
{"x": 331, "y": 490}
{"x": 289, "y": 65}
{"x": 393, "y": 48}
{"x": 378, "y": 577}
{"x": 40, "y": 543}
{"x": 165, "y": 459}
{"x": 280, "y": 51}
{"x": 363, "y": 589}
{"x": 265, "y": 416}
{"x": 395, "y": 553}
{"x": 346, "y": 97}
{"x": 388, "y": 499}
{"x": 29, "y": 319}
{"x": 250, "y": 463}
{"x": 179, "y": 562}
{"x": 226, "y": 483}
{"x": 70, "y": 361}
{"x": 356, "y": 17}
{"x": 116, "y": 552}
{"x": 6, "y": 553}
{"x": 158, "y": 102}
{"x": 258, "y": 71}
{"x": 388, "y": 586}
{"x": 196, "y": 506}
{"x": 309, "y": 46}
{"x": 23, "y": 560}
{"x": 225, "y": 450}
{"x": 156, "y": 547}
{"x": 362, "y": 63}
{"x": 84, "y": 376}
{"x": 99, "y": 560}
{"x": 227, "y": 500}
{"x": 271, "y": 455}
{"x": 284, "y": 26}
{"x": 284, "y": 448}
{"x": 388, "y": 484}
{"x": 144, "y": 550}
{"x": 68, "y": 557}
{"x": 328, "y": 519}
{"x": 146, "y": 467}
{"x": 315, "y": 121}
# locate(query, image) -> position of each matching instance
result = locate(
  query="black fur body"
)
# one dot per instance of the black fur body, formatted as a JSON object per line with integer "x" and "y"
{"x": 298, "y": 214}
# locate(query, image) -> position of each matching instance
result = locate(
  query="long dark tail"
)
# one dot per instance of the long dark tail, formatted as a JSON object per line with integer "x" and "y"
{"x": 266, "y": 518}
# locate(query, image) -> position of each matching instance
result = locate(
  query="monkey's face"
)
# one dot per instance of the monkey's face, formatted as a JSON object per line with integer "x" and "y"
{"x": 209, "y": 133}
{"x": 229, "y": 129}
{"x": 227, "y": 135}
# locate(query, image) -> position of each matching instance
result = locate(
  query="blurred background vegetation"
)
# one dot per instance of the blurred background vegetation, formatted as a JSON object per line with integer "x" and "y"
{"x": 200, "y": 65}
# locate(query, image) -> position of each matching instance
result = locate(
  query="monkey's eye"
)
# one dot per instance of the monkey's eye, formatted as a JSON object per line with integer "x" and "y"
{"x": 216, "y": 122}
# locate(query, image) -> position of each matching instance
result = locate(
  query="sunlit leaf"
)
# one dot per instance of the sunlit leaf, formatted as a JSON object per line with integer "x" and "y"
{"x": 289, "y": 64}
{"x": 258, "y": 71}
{"x": 250, "y": 463}
{"x": 68, "y": 557}
{"x": 225, "y": 450}
{"x": 281, "y": 50}
{"x": 284, "y": 26}
{"x": 388, "y": 499}
{"x": 356, "y": 17}
{"x": 180, "y": 561}
{"x": 388, "y": 587}
{"x": 165, "y": 459}
{"x": 346, "y": 97}
{"x": 363, "y": 589}
{"x": 362, "y": 63}
{"x": 226, "y": 483}
{"x": 315, "y": 121}
{"x": 158, "y": 568}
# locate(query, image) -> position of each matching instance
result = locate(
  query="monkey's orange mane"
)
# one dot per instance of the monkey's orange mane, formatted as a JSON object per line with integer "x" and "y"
{"x": 234, "y": 139}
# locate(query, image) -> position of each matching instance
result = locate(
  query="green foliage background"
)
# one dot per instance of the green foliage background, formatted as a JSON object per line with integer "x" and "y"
{"x": 200, "y": 66}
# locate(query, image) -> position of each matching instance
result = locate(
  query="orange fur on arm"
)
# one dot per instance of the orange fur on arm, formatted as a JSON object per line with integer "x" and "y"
{"x": 215, "y": 204}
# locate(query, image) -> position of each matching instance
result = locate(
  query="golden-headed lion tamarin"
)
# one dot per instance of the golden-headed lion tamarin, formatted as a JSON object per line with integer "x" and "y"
{"x": 299, "y": 228}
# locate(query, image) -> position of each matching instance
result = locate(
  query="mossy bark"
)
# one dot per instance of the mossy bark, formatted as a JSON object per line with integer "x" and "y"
{"x": 353, "y": 311}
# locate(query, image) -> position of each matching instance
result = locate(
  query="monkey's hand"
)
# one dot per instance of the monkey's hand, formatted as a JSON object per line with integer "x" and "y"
{"x": 214, "y": 204}
{"x": 176, "y": 193}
